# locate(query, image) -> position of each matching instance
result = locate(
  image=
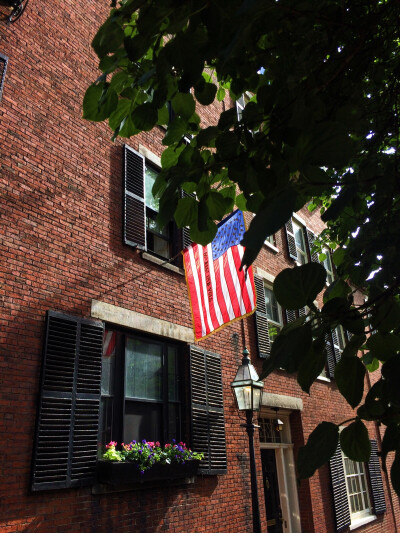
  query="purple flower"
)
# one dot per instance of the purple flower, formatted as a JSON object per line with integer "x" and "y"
{"x": 141, "y": 472}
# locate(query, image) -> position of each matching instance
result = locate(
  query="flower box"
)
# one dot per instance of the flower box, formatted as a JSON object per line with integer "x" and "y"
{"x": 126, "y": 472}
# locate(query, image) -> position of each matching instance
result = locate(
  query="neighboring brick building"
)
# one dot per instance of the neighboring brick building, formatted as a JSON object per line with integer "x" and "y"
{"x": 69, "y": 253}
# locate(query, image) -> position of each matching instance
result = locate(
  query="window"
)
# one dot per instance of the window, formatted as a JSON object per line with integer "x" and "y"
{"x": 298, "y": 243}
{"x": 357, "y": 488}
{"x": 141, "y": 389}
{"x": 125, "y": 386}
{"x": 3, "y": 70}
{"x": 141, "y": 229}
{"x": 298, "y": 231}
{"x": 159, "y": 240}
{"x": 274, "y": 313}
{"x": 328, "y": 267}
{"x": 241, "y": 104}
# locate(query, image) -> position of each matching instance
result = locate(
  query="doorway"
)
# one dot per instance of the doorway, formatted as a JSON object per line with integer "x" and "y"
{"x": 278, "y": 473}
{"x": 271, "y": 492}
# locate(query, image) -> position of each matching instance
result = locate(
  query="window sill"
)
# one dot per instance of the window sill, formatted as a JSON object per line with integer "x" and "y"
{"x": 271, "y": 246}
{"x": 324, "y": 378}
{"x": 362, "y": 521}
{"x": 161, "y": 262}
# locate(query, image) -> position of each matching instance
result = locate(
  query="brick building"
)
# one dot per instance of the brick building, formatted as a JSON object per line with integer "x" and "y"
{"x": 79, "y": 265}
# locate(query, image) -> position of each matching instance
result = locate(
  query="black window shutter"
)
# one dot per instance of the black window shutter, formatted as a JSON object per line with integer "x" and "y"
{"x": 134, "y": 199}
{"x": 375, "y": 476}
{"x": 185, "y": 232}
{"x": 311, "y": 238}
{"x": 67, "y": 423}
{"x": 336, "y": 347}
{"x": 263, "y": 342}
{"x": 290, "y": 315}
{"x": 330, "y": 355}
{"x": 3, "y": 70}
{"x": 291, "y": 243}
{"x": 207, "y": 410}
{"x": 342, "y": 512}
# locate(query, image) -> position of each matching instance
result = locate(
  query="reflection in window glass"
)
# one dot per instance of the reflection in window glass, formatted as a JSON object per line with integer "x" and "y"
{"x": 150, "y": 177}
{"x": 143, "y": 371}
{"x": 328, "y": 267}
{"x": 274, "y": 313}
{"x": 357, "y": 491}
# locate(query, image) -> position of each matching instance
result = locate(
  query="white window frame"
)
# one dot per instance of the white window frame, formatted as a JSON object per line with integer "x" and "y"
{"x": 241, "y": 103}
{"x": 330, "y": 276}
{"x": 274, "y": 323}
{"x": 301, "y": 252}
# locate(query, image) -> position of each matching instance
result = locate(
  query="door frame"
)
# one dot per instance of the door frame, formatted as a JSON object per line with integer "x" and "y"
{"x": 285, "y": 470}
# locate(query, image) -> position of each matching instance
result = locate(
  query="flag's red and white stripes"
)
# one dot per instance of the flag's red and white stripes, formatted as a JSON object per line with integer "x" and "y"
{"x": 218, "y": 291}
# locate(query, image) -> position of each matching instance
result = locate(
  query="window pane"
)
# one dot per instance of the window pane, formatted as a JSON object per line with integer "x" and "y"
{"x": 106, "y": 410}
{"x": 150, "y": 176}
{"x": 108, "y": 361}
{"x": 173, "y": 374}
{"x": 143, "y": 370}
{"x": 173, "y": 422}
{"x": 272, "y": 306}
{"x": 142, "y": 420}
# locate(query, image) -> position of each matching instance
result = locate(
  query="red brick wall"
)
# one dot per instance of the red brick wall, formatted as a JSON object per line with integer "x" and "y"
{"x": 61, "y": 244}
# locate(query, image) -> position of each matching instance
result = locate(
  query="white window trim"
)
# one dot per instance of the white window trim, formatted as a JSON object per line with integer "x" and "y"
{"x": 366, "y": 515}
{"x": 271, "y": 246}
{"x": 299, "y": 251}
{"x": 280, "y": 313}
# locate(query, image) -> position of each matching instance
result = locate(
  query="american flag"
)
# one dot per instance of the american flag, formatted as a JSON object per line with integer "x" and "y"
{"x": 218, "y": 291}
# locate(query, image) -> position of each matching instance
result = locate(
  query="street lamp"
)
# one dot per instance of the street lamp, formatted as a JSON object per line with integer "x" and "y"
{"x": 248, "y": 392}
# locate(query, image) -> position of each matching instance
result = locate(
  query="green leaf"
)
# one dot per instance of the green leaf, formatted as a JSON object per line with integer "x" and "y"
{"x": 299, "y": 286}
{"x": 337, "y": 289}
{"x": 390, "y": 442}
{"x": 170, "y": 156}
{"x": 227, "y": 145}
{"x": 128, "y": 128}
{"x": 205, "y": 94}
{"x": 203, "y": 236}
{"x": 268, "y": 221}
{"x": 395, "y": 473}
{"x": 227, "y": 119}
{"x": 99, "y": 102}
{"x": 120, "y": 113}
{"x": 186, "y": 212}
{"x": 353, "y": 345}
{"x": 145, "y": 117}
{"x": 217, "y": 204}
{"x": 109, "y": 37}
{"x": 339, "y": 256}
{"x": 320, "y": 447}
{"x": 207, "y": 136}
{"x": 289, "y": 348}
{"x": 176, "y": 130}
{"x": 355, "y": 443}
{"x": 312, "y": 366}
{"x": 240, "y": 202}
{"x": 184, "y": 105}
{"x": 386, "y": 316}
{"x": 220, "y": 94}
{"x": 384, "y": 345}
{"x": 349, "y": 376}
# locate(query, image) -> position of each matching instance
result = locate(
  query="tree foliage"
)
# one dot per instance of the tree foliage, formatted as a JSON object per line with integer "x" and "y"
{"x": 321, "y": 126}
